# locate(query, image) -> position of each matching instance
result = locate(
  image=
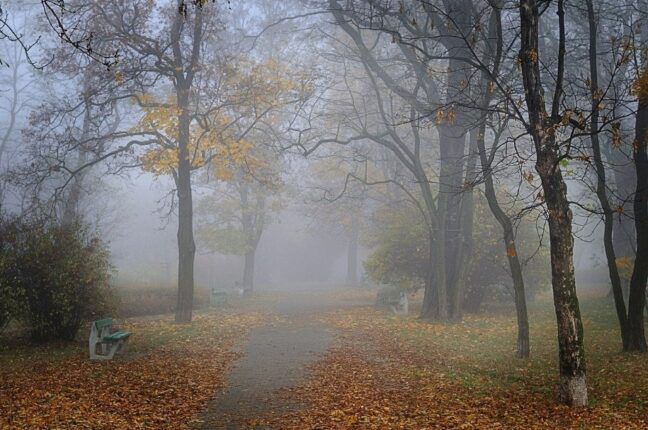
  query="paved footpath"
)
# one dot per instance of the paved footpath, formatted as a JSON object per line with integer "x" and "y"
{"x": 275, "y": 357}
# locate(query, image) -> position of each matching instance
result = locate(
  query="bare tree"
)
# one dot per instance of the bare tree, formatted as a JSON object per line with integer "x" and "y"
{"x": 636, "y": 337}
{"x": 542, "y": 126}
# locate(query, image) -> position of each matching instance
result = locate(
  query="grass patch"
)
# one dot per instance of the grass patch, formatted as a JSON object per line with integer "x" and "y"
{"x": 477, "y": 358}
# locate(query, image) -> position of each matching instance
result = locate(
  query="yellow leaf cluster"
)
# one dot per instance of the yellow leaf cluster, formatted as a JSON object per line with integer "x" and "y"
{"x": 253, "y": 90}
{"x": 640, "y": 86}
{"x": 160, "y": 160}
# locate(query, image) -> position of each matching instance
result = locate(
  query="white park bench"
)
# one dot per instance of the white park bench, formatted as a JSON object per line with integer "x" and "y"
{"x": 393, "y": 299}
{"x": 104, "y": 339}
{"x": 217, "y": 297}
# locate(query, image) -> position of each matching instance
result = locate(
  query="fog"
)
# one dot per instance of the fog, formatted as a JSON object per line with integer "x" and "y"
{"x": 317, "y": 175}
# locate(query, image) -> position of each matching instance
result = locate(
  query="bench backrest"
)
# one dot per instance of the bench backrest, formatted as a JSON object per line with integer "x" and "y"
{"x": 100, "y": 324}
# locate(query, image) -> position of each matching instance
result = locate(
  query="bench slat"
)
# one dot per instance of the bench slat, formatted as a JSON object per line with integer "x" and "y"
{"x": 106, "y": 322}
{"x": 117, "y": 336}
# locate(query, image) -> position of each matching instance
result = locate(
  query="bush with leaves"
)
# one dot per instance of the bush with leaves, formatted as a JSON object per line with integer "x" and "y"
{"x": 400, "y": 249}
{"x": 57, "y": 276}
{"x": 10, "y": 295}
{"x": 400, "y": 255}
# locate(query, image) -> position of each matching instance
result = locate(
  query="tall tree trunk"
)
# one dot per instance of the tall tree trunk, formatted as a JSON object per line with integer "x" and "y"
{"x": 465, "y": 239}
{"x": 573, "y": 387}
{"x": 494, "y": 55}
{"x": 434, "y": 298}
{"x": 523, "y": 344}
{"x": 73, "y": 197}
{"x": 601, "y": 183}
{"x": 452, "y": 160}
{"x": 186, "y": 244}
{"x": 434, "y": 305}
{"x": 637, "y": 299}
{"x": 252, "y": 224}
{"x": 248, "y": 270}
{"x": 184, "y": 74}
{"x": 352, "y": 255}
{"x": 451, "y": 175}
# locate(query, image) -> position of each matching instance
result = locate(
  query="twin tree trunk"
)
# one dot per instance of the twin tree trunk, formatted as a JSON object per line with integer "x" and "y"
{"x": 450, "y": 239}
{"x": 542, "y": 128}
{"x": 636, "y": 338}
{"x": 451, "y": 229}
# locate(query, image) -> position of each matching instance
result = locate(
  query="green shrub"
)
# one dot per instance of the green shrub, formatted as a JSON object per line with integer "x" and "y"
{"x": 400, "y": 254}
{"x": 399, "y": 239}
{"x": 10, "y": 295}
{"x": 6, "y": 301}
{"x": 57, "y": 276}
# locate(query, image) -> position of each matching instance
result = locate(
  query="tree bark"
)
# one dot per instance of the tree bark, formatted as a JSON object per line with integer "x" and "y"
{"x": 494, "y": 54}
{"x": 541, "y": 126}
{"x": 186, "y": 244}
{"x": 352, "y": 255}
{"x": 434, "y": 293}
{"x": 452, "y": 148}
{"x": 465, "y": 242}
{"x": 601, "y": 183}
{"x": 248, "y": 270}
{"x": 637, "y": 299}
{"x": 252, "y": 224}
{"x": 184, "y": 74}
{"x": 523, "y": 344}
{"x": 434, "y": 298}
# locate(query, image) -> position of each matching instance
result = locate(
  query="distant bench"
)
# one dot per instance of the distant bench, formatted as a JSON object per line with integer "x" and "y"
{"x": 394, "y": 299}
{"x": 102, "y": 337}
{"x": 217, "y": 297}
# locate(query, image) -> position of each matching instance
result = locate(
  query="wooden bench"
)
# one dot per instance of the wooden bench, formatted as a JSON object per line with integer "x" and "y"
{"x": 108, "y": 342}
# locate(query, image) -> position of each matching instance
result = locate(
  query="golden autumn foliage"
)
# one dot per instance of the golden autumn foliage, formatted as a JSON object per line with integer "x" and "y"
{"x": 223, "y": 148}
{"x": 255, "y": 91}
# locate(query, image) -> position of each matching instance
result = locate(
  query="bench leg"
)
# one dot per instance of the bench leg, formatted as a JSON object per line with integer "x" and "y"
{"x": 108, "y": 350}
{"x": 93, "y": 351}
{"x": 104, "y": 352}
{"x": 112, "y": 349}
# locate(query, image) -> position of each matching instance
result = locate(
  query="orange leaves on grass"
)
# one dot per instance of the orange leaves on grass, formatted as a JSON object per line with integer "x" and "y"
{"x": 385, "y": 375}
{"x": 161, "y": 381}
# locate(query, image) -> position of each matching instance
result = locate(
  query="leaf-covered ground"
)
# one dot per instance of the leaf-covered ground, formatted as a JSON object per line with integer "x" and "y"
{"x": 162, "y": 381}
{"x": 399, "y": 373}
{"x": 382, "y": 372}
